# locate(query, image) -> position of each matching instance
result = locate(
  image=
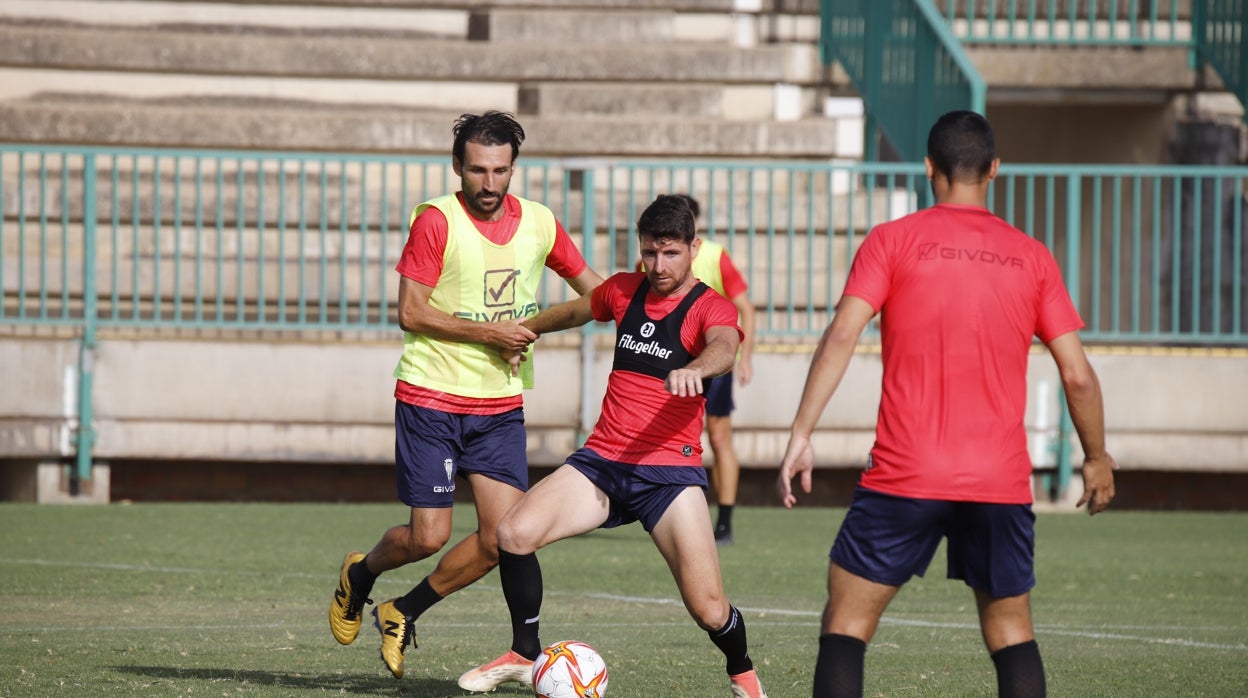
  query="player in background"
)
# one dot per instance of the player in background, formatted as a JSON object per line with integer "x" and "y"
{"x": 469, "y": 275}
{"x": 962, "y": 294}
{"x": 643, "y": 461}
{"x": 713, "y": 266}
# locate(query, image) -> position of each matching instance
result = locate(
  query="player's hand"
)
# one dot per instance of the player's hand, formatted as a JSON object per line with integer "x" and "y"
{"x": 684, "y": 382}
{"x": 514, "y": 359}
{"x": 744, "y": 371}
{"x": 799, "y": 458}
{"x": 1098, "y": 483}
{"x": 511, "y": 335}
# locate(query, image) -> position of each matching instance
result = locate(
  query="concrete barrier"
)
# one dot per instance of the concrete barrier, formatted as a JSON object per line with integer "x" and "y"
{"x": 321, "y": 399}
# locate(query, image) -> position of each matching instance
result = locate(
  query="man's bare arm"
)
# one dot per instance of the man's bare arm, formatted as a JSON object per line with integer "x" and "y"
{"x": 585, "y": 282}
{"x": 417, "y": 316}
{"x": 716, "y": 359}
{"x": 1087, "y": 413}
{"x": 745, "y": 364}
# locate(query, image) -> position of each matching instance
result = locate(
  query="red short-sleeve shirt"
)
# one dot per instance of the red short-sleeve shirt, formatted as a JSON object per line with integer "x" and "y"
{"x": 641, "y": 423}
{"x": 961, "y": 295}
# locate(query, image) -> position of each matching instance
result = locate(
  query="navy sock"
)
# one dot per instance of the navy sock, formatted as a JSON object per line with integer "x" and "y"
{"x": 361, "y": 578}
{"x": 730, "y": 640}
{"x": 1020, "y": 671}
{"x": 724, "y": 520}
{"x": 418, "y": 600}
{"x": 838, "y": 671}
{"x": 522, "y": 587}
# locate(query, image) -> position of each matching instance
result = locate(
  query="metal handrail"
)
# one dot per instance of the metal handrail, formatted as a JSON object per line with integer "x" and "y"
{"x": 905, "y": 63}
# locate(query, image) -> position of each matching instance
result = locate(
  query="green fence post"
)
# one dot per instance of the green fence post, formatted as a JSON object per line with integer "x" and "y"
{"x": 876, "y": 18}
{"x": 1074, "y": 250}
{"x": 1196, "y": 52}
{"x": 85, "y": 439}
{"x": 589, "y": 226}
{"x": 1065, "y": 463}
{"x": 871, "y": 138}
{"x": 1241, "y": 80}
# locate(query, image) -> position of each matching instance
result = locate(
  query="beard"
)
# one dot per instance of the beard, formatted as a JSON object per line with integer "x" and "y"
{"x": 489, "y": 207}
{"x": 667, "y": 284}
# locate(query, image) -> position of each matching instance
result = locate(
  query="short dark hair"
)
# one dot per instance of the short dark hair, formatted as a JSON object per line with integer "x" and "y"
{"x": 490, "y": 128}
{"x": 961, "y": 146}
{"x": 667, "y": 218}
{"x": 693, "y": 205}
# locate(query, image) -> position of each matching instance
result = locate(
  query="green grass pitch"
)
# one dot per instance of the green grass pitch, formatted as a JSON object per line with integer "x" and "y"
{"x": 230, "y": 600}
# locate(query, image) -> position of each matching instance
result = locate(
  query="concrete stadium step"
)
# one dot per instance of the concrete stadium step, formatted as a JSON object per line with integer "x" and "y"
{"x": 343, "y": 17}
{"x": 740, "y": 23}
{"x": 797, "y": 7}
{"x": 281, "y": 125}
{"x": 578, "y": 26}
{"x": 387, "y": 57}
{"x": 462, "y": 95}
{"x": 1126, "y": 70}
{"x": 643, "y": 26}
{"x": 779, "y": 102}
{"x": 238, "y": 189}
{"x": 243, "y": 286}
{"x": 742, "y": 6}
{"x": 239, "y": 274}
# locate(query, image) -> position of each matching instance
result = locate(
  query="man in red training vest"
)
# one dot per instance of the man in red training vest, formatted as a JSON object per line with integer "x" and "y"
{"x": 643, "y": 461}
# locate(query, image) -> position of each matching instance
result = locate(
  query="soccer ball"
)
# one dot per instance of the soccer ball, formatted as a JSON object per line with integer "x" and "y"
{"x": 569, "y": 669}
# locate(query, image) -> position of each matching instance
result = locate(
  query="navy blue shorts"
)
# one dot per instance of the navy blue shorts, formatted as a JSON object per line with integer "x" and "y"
{"x": 431, "y": 446}
{"x": 718, "y": 394}
{"x": 636, "y": 492}
{"x": 890, "y": 539}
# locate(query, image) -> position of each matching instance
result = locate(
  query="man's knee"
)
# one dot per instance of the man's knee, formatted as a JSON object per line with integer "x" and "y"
{"x": 710, "y": 613}
{"x": 422, "y": 543}
{"x": 487, "y": 549}
{"x": 427, "y": 532}
{"x": 1005, "y": 621}
{"x": 719, "y": 432}
{"x": 514, "y": 537}
{"x": 708, "y": 606}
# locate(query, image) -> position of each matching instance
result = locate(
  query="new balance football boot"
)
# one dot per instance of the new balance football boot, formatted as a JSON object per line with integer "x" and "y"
{"x": 344, "y": 610}
{"x": 396, "y": 634}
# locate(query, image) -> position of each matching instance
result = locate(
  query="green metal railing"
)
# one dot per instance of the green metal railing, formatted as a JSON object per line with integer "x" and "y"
{"x": 113, "y": 240}
{"x": 145, "y": 238}
{"x": 217, "y": 239}
{"x": 906, "y": 65}
{"x": 1222, "y": 41}
{"x": 1068, "y": 22}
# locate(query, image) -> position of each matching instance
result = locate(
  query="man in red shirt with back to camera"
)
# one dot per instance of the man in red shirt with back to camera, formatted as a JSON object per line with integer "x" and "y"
{"x": 961, "y": 294}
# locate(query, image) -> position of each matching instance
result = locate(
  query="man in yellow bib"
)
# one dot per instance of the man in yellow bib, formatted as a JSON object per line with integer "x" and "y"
{"x": 714, "y": 267}
{"x": 469, "y": 274}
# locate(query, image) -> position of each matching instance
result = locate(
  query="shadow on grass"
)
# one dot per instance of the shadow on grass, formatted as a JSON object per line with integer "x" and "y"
{"x": 338, "y": 683}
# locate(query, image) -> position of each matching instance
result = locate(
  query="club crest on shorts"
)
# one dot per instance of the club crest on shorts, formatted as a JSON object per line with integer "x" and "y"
{"x": 448, "y": 465}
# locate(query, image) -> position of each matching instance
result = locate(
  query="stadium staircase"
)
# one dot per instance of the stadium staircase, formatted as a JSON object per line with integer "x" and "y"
{"x": 1062, "y": 81}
